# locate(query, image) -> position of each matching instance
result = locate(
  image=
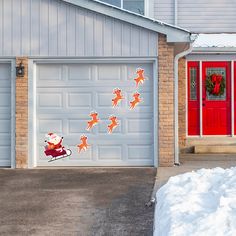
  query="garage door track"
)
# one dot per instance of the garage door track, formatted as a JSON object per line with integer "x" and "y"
{"x": 76, "y": 201}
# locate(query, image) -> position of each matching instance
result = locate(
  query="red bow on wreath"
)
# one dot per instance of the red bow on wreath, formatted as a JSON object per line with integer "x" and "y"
{"x": 216, "y": 80}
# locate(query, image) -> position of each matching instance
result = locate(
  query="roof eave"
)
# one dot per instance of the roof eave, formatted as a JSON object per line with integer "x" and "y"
{"x": 174, "y": 34}
{"x": 202, "y": 50}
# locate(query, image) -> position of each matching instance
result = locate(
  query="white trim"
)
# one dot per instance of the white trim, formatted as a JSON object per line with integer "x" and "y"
{"x": 32, "y": 100}
{"x": 186, "y": 96}
{"x": 211, "y": 57}
{"x": 175, "y": 12}
{"x": 32, "y": 114}
{"x": 13, "y": 113}
{"x": 155, "y": 113}
{"x": 13, "y": 109}
{"x": 232, "y": 98}
{"x": 200, "y": 98}
{"x": 122, "y": 4}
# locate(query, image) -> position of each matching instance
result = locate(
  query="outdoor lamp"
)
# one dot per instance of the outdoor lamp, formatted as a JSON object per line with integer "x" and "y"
{"x": 20, "y": 70}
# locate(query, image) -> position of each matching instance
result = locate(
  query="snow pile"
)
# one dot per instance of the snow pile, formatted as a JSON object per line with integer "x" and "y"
{"x": 201, "y": 203}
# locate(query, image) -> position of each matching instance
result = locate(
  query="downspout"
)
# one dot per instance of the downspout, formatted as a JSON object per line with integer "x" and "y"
{"x": 176, "y": 100}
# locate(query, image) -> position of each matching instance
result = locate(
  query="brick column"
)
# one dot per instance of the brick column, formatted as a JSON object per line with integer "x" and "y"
{"x": 166, "y": 101}
{"x": 182, "y": 102}
{"x": 22, "y": 116}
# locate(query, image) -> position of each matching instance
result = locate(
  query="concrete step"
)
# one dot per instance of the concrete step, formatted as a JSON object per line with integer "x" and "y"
{"x": 215, "y": 149}
{"x": 191, "y": 157}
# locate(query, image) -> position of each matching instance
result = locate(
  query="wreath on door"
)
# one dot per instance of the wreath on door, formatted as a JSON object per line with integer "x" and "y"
{"x": 215, "y": 84}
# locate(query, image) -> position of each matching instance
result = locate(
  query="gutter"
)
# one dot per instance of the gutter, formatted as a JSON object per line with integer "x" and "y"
{"x": 176, "y": 100}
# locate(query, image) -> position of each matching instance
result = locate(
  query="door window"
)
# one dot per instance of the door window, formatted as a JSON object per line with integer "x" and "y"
{"x": 193, "y": 83}
{"x": 217, "y": 70}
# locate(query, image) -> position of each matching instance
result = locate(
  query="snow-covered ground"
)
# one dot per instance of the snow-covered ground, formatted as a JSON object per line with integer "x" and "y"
{"x": 201, "y": 203}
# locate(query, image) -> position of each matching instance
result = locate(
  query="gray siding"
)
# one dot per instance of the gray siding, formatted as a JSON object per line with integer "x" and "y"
{"x": 164, "y": 10}
{"x": 201, "y": 16}
{"x": 55, "y": 28}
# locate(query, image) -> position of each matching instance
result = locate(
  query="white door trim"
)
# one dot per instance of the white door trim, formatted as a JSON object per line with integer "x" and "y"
{"x": 232, "y": 98}
{"x": 13, "y": 109}
{"x": 200, "y": 97}
{"x": 32, "y": 162}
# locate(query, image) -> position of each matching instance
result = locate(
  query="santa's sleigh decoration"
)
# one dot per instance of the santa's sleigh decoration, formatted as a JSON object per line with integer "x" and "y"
{"x": 55, "y": 149}
{"x": 57, "y": 154}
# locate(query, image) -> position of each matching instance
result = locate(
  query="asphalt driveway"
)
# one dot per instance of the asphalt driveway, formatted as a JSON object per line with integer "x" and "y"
{"x": 76, "y": 202}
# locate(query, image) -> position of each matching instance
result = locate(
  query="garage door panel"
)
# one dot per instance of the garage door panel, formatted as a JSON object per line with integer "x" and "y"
{"x": 131, "y": 70}
{"x": 109, "y": 152}
{"x": 46, "y": 73}
{"x": 102, "y": 127}
{"x": 109, "y": 72}
{"x": 5, "y": 139}
{"x": 64, "y": 105}
{"x": 82, "y": 72}
{"x": 5, "y": 126}
{"x": 5, "y": 74}
{"x": 79, "y": 99}
{"x": 139, "y": 126}
{"x": 52, "y": 100}
{"x": 5, "y": 114}
{"x": 140, "y": 152}
{"x": 78, "y": 126}
{"x": 50, "y": 125}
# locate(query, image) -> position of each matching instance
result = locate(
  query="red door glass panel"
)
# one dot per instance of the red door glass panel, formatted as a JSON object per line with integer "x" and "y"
{"x": 193, "y": 99}
{"x": 216, "y": 109}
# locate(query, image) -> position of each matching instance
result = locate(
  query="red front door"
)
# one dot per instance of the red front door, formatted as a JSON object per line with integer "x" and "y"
{"x": 216, "y": 110}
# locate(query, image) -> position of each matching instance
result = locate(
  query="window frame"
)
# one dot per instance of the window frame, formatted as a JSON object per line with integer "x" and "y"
{"x": 146, "y": 7}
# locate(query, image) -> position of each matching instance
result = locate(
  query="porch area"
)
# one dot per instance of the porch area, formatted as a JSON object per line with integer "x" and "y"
{"x": 193, "y": 162}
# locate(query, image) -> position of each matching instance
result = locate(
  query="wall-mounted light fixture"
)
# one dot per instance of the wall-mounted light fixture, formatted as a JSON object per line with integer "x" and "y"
{"x": 20, "y": 70}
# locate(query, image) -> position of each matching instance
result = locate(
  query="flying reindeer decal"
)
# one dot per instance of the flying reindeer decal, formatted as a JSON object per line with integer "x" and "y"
{"x": 93, "y": 121}
{"x": 83, "y": 145}
{"x": 114, "y": 123}
{"x": 118, "y": 97}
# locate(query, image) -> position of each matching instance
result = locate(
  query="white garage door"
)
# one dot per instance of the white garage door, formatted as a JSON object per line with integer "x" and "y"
{"x": 67, "y": 93}
{"x": 5, "y": 114}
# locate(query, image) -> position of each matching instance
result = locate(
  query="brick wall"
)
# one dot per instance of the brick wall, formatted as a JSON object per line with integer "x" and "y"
{"x": 166, "y": 102}
{"x": 22, "y": 116}
{"x": 182, "y": 102}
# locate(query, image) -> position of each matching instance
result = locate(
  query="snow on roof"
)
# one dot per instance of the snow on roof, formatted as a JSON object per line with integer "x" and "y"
{"x": 215, "y": 40}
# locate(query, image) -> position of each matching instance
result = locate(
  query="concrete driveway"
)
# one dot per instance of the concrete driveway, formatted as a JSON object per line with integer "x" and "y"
{"x": 76, "y": 201}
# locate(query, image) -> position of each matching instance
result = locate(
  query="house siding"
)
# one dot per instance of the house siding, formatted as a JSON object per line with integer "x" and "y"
{"x": 164, "y": 10}
{"x": 51, "y": 28}
{"x": 212, "y": 16}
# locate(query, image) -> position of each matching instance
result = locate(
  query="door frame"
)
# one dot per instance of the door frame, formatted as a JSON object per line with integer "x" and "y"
{"x": 32, "y": 139}
{"x": 200, "y": 59}
{"x": 12, "y": 62}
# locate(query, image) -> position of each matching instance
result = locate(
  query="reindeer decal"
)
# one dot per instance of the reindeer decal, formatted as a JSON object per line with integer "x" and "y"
{"x": 118, "y": 97}
{"x": 140, "y": 78}
{"x": 135, "y": 101}
{"x": 114, "y": 123}
{"x": 93, "y": 121}
{"x": 83, "y": 145}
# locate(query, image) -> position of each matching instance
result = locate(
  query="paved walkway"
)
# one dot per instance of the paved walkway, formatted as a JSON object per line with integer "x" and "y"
{"x": 190, "y": 162}
{"x": 77, "y": 202}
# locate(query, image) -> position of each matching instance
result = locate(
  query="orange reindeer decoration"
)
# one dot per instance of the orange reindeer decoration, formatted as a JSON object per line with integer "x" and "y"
{"x": 118, "y": 97}
{"x": 114, "y": 123}
{"x": 83, "y": 145}
{"x": 93, "y": 121}
{"x": 140, "y": 79}
{"x": 136, "y": 100}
